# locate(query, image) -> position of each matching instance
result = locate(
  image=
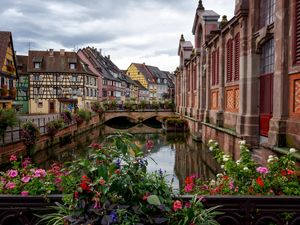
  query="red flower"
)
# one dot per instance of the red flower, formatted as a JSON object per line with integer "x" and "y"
{"x": 85, "y": 183}
{"x": 146, "y": 195}
{"x": 177, "y": 205}
{"x": 76, "y": 195}
{"x": 117, "y": 171}
{"x": 189, "y": 180}
{"x": 260, "y": 182}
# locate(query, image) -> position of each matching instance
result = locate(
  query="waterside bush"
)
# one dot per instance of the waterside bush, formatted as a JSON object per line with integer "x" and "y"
{"x": 245, "y": 177}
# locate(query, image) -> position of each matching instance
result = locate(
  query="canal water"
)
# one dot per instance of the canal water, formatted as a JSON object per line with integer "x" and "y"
{"x": 176, "y": 154}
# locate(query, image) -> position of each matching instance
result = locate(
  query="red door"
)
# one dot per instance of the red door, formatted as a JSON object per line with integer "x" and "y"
{"x": 266, "y": 103}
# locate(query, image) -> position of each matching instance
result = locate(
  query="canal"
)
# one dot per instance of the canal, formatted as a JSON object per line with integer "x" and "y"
{"x": 176, "y": 154}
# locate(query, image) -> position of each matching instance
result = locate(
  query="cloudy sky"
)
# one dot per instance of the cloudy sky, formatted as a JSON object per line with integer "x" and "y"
{"x": 127, "y": 30}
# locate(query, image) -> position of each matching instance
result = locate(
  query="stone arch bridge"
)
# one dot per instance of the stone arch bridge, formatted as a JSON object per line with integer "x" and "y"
{"x": 136, "y": 115}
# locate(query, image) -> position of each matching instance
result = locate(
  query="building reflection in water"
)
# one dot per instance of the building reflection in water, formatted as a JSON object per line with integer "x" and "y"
{"x": 175, "y": 153}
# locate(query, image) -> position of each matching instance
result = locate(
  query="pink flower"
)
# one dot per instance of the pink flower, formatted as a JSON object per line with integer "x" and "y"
{"x": 39, "y": 173}
{"x": 188, "y": 205}
{"x": 3, "y": 181}
{"x": 10, "y": 185}
{"x": 231, "y": 186}
{"x": 58, "y": 180}
{"x": 188, "y": 188}
{"x": 25, "y": 179}
{"x": 12, "y": 173}
{"x": 177, "y": 205}
{"x": 13, "y": 158}
{"x": 262, "y": 170}
{"x": 102, "y": 182}
{"x": 24, "y": 193}
{"x": 201, "y": 198}
{"x": 26, "y": 162}
{"x": 97, "y": 205}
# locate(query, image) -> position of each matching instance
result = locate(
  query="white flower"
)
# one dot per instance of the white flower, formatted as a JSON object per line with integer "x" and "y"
{"x": 292, "y": 150}
{"x": 270, "y": 160}
{"x": 270, "y": 157}
{"x": 243, "y": 142}
{"x": 222, "y": 166}
{"x": 212, "y": 182}
{"x": 210, "y": 141}
{"x": 246, "y": 168}
{"x": 238, "y": 162}
{"x": 219, "y": 175}
{"x": 226, "y": 158}
{"x": 211, "y": 148}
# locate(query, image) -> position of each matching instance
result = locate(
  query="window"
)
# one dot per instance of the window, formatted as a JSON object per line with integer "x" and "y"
{"x": 40, "y": 105}
{"x": 237, "y": 57}
{"x": 37, "y": 65}
{"x": 72, "y": 66}
{"x": 267, "y": 57}
{"x": 297, "y": 33}
{"x": 229, "y": 60}
{"x": 36, "y": 77}
{"x": 104, "y": 93}
{"x": 267, "y": 8}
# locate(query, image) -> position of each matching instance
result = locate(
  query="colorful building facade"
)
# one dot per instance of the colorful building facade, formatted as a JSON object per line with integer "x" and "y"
{"x": 59, "y": 81}
{"x": 240, "y": 79}
{"x": 8, "y": 71}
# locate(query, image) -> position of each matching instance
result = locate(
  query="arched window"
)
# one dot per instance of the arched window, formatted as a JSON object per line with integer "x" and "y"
{"x": 229, "y": 67}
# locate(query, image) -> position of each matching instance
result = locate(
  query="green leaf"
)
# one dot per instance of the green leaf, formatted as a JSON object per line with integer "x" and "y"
{"x": 154, "y": 200}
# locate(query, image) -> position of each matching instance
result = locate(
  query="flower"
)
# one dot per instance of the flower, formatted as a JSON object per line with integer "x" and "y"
{"x": 26, "y": 162}
{"x": 13, "y": 158}
{"x": 222, "y": 166}
{"x": 39, "y": 173}
{"x": 25, "y": 179}
{"x": 260, "y": 182}
{"x": 177, "y": 205}
{"x": 12, "y": 173}
{"x": 188, "y": 188}
{"x": 97, "y": 205}
{"x": 238, "y": 162}
{"x": 210, "y": 141}
{"x": 146, "y": 195}
{"x": 113, "y": 216}
{"x": 201, "y": 198}
{"x": 187, "y": 205}
{"x": 243, "y": 142}
{"x": 10, "y": 185}
{"x": 292, "y": 150}
{"x": 76, "y": 195}
{"x": 231, "y": 185}
{"x": 226, "y": 158}
{"x": 211, "y": 148}
{"x": 149, "y": 144}
{"x": 245, "y": 168}
{"x": 262, "y": 170}
{"x": 102, "y": 182}
{"x": 24, "y": 193}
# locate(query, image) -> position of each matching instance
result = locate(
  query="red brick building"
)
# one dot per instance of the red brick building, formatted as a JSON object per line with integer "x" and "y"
{"x": 241, "y": 79}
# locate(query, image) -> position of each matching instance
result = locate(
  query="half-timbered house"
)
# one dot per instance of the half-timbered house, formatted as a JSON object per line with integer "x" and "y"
{"x": 8, "y": 72}
{"x": 21, "y": 102}
{"x": 58, "y": 81}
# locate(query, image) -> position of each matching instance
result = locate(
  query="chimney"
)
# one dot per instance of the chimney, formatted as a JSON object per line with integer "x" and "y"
{"x": 108, "y": 56}
{"x": 51, "y": 52}
{"x": 62, "y": 52}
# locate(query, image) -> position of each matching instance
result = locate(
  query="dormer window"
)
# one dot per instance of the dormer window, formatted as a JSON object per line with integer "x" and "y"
{"x": 37, "y": 65}
{"x": 72, "y": 66}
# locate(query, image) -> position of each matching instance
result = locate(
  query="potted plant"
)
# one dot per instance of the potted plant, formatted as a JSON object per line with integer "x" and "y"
{"x": 8, "y": 118}
{"x": 4, "y": 90}
{"x": 13, "y": 92}
{"x": 30, "y": 133}
{"x": 54, "y": 126}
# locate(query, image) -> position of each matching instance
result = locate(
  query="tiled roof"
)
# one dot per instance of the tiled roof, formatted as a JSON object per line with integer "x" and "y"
{"x": 55, "y": 61}
{"x": 140, "y": 86}
{"x": 143, "y": 69}
{"x": 5, "y": 38}
{"x": 157, "y": 72}
{"x": 22, "y": 61}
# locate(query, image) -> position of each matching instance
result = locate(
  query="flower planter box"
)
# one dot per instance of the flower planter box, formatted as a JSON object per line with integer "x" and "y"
{"x": 238, "y": 210}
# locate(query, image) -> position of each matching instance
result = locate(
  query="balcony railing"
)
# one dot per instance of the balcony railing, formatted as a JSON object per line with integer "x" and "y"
{"x": 237, "y": 210}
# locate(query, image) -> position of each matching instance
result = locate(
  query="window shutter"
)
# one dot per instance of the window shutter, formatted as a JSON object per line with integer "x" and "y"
{"x": 237, "y": 57}
{"x": 217, "y": 71}
{"x": 297, "y": 33}
{"x": 229, "y": 60}
{"x": 213, "y": 68}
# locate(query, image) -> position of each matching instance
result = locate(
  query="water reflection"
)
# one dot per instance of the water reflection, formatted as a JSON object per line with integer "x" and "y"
{"x": 175, "y": 153}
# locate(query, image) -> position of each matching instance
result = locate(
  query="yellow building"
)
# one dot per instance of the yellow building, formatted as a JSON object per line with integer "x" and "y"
{"x": 8, "y": 72}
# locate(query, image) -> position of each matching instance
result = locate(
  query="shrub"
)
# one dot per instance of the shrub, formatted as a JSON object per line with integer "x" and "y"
{"x": 8, "y": 118}
{"x": 54, "y": 126}
{"x": 97, "y": 108}
{"x": 155, "y": 105}
{"x": 82, "y": 115}
{"x": 143, "y": 104}
{"x": 30, "y": 132}
{"x": 66, "y": 116}
{"x": 245, "y": 177}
